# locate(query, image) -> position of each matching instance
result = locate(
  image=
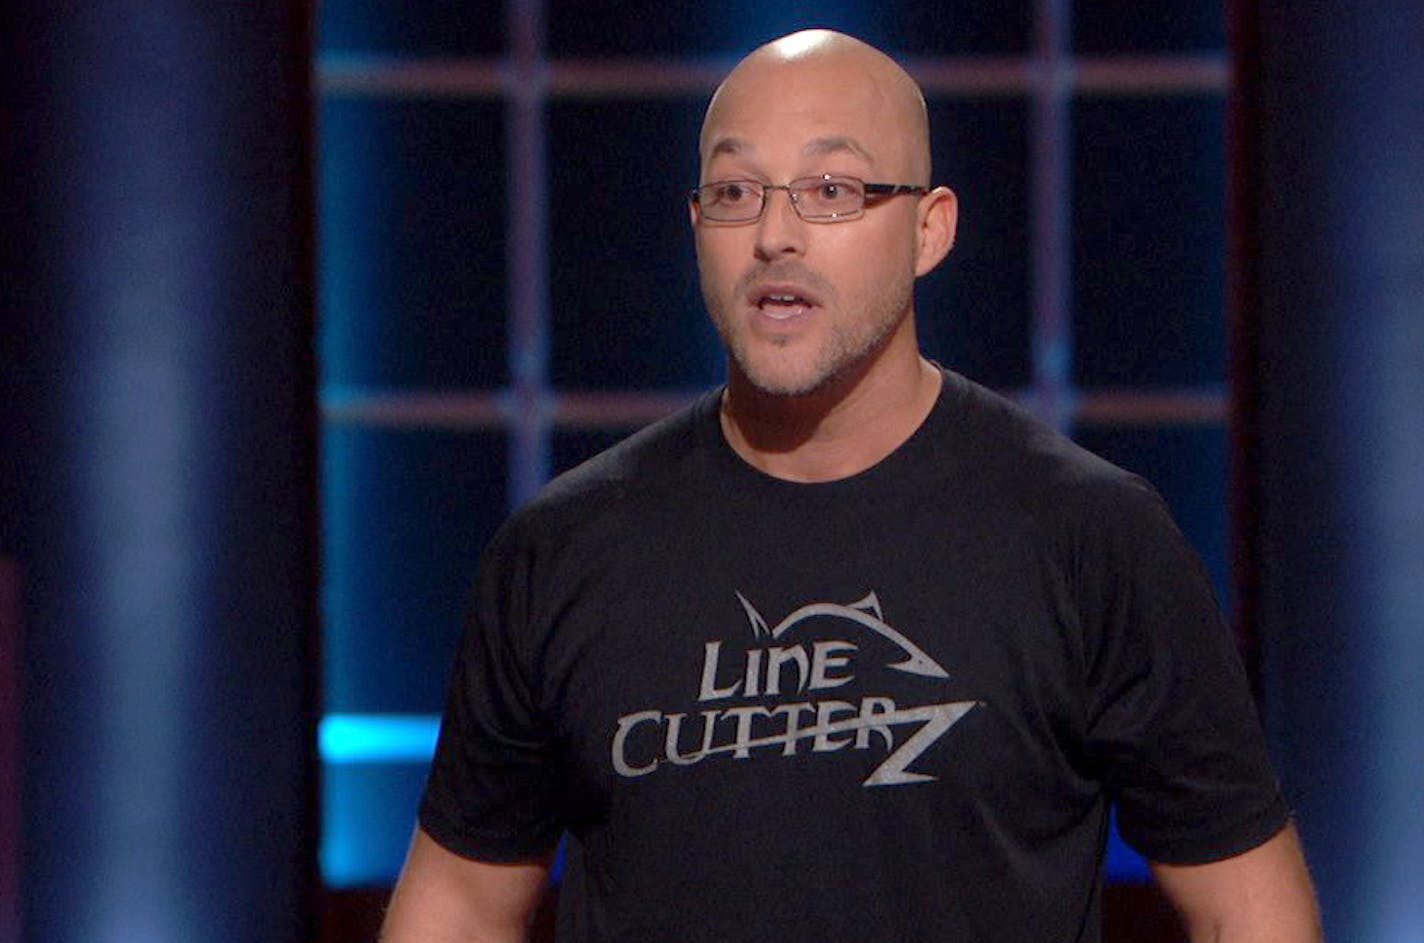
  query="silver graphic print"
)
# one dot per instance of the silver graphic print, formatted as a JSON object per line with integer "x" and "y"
{"x": 867, "y": 613}
{"x": 644, "y": 740}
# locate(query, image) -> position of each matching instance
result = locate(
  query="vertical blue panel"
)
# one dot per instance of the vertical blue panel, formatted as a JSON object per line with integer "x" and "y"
{"x": 1341, "y": 451}
{"x": 169, "y": 493}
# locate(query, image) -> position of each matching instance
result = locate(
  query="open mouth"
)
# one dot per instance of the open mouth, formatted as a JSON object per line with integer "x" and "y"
{"x": 782, "y": 306}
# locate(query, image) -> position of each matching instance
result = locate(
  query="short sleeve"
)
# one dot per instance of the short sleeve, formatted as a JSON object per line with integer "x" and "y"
{"x": 493, "y": 792}
{"x": 1171, "y": 727}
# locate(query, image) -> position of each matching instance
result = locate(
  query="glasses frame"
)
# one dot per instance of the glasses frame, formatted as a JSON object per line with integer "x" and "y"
{"x": 877, "y": 191}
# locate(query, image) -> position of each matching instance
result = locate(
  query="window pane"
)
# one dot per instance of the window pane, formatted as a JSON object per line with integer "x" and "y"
{"x": 407, "y": 513}
{"x": 973, "y": 312}
{"x": 1108, "y": 26}
{"x": 627, "y": 308}
{"x": 412, "y": 243}
{"x": 1149, "y": 241}
{"x": 653, "y": 27}
{"x": 430, "y": 28}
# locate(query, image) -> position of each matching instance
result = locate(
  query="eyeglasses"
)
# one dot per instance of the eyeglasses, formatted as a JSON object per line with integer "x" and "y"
{"x": 824, "y": 199}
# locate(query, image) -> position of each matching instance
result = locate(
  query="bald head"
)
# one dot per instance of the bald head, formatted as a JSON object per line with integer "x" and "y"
{"x": 868, "y": 104}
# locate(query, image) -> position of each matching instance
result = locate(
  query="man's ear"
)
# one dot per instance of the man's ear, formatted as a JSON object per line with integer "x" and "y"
{"x": 936, "y": 220}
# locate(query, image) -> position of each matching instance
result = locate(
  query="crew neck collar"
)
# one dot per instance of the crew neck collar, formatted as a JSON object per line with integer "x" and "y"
{"x": 748, "y": 475}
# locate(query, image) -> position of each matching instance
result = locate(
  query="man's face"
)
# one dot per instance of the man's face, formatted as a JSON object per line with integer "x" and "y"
{"x": 800, "y": 304}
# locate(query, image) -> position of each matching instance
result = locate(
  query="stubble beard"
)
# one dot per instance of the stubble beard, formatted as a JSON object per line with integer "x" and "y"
{"x": 853, "y": 341}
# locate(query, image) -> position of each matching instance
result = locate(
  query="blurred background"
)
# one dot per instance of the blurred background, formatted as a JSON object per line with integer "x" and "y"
{"x": 300, "y": 300}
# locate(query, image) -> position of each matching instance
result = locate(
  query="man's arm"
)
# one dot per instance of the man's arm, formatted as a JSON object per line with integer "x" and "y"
{"x": 444, "y": 898}
{"x": 1263, "y": 895}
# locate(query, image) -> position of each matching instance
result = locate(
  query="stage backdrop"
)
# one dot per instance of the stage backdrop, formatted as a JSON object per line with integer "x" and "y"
{"x": 158, "y": 467}
{"x": 508, "y": 285}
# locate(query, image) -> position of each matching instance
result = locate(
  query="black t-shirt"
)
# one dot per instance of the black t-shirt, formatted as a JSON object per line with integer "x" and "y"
{"x": 891, "y": 707}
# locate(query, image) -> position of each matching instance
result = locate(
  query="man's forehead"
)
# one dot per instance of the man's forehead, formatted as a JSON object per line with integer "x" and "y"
{"x": 733, "y": 145}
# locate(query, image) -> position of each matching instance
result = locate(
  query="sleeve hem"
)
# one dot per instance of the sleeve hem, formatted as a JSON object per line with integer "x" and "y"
{"x": 1218, "y": 846}
{"x": 501, "y": 849}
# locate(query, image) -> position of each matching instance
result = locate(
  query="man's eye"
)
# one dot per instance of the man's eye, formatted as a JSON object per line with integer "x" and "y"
{"x": 835, "y": 191}
{"x": 731, "y": 193}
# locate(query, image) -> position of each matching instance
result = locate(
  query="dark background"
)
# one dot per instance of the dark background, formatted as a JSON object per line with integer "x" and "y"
{"x": 297, "y": 303}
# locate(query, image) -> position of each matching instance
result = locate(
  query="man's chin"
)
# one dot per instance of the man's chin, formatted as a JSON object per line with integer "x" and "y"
{"x": 785, "y": 380}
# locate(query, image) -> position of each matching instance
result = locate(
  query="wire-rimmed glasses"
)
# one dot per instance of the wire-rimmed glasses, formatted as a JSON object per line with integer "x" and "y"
{"x": 828, "y": 198}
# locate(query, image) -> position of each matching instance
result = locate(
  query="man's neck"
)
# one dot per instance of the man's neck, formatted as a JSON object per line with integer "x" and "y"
{"x": 833, "y": 433}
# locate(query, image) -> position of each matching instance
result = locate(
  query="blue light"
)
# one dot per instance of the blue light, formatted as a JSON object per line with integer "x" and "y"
{"x": 378, "y": 738}
{"x": 375, "y": 767}
{"x": 1124, "y": 865}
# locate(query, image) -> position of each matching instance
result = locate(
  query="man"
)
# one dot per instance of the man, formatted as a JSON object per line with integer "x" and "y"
{"x": 851, "y": 649}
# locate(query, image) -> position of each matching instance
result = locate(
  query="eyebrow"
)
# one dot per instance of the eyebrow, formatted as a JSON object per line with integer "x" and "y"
{"x": 728, "y": 145}
{"x": 836, "y": 145}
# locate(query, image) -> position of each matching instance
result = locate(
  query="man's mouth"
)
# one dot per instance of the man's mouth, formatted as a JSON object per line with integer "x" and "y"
{"x": 781, "y": 305}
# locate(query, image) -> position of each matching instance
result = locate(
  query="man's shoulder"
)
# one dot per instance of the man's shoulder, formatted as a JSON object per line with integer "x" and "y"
{"x": 656, "y": 458}
{"x": 1017, "y": 475}
{"x": 1008, "y": 437}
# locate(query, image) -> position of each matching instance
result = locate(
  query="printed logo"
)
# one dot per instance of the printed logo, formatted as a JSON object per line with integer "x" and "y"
{"x": 779, "y": 674}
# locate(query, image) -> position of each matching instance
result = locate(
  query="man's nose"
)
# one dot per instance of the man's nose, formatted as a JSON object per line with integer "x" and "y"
{"x": 781, "y": 230}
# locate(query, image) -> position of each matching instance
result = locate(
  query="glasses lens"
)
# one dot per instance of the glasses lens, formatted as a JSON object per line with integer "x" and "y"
{"x": 829, "y": 197}
{"x": 730, "y": 200}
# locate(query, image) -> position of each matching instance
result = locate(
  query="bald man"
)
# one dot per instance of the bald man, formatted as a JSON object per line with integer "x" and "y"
{"x": 851, "y": 649}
